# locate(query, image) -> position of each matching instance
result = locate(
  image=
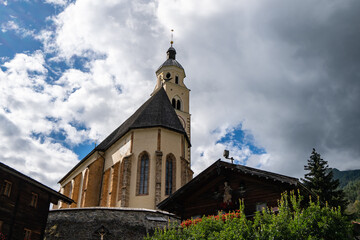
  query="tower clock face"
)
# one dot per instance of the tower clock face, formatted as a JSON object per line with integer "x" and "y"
{"x": 182, "y": 122}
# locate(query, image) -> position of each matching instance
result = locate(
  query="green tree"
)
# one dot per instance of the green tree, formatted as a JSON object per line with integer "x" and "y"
{"x": 352, "y": 191}
{"x": 352, "y": 194}
{"x": 320, "y": 180}
{"x": 353, "y": 210}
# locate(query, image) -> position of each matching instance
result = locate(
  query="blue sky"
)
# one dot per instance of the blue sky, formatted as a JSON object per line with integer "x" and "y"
{"x": 278, "y": 80}
{"x": 25, "y": 17}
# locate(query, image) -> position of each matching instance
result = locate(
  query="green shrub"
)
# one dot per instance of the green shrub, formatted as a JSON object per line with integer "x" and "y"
{"x": 314, "y": 222}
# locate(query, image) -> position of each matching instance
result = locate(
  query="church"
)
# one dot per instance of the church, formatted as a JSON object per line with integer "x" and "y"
{"x": 146, "y": 158}
{"x": 139, "y": 178}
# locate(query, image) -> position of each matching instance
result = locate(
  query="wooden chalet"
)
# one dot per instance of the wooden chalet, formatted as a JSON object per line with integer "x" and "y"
{"x": 222, "y": 185}
{"x": 24, "y": 205}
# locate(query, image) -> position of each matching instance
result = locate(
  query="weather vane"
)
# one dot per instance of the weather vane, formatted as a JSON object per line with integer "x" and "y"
{"x": 226, "y": 155}
{"x": 172, "y": 37}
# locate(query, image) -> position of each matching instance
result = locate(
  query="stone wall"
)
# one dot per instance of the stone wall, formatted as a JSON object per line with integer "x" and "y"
{"x": 115, "y": 223}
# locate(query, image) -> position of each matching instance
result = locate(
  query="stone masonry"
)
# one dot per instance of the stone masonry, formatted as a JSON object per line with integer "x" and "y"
{"x": 112, "y": 223}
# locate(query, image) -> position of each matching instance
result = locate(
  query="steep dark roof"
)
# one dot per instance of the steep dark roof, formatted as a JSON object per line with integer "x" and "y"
{"x": 155, "y": 112}
{"x": 203, "y": 177}
{"x": 55, "y": 196}
{"x": 170, "y": 62}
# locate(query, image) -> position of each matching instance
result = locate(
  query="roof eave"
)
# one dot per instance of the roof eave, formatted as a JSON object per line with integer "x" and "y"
{"x": 165, "y": 202}
{"x": 36, "y": 183}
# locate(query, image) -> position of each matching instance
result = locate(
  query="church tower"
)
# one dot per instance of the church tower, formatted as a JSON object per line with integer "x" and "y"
{"x": 170, "y": 75}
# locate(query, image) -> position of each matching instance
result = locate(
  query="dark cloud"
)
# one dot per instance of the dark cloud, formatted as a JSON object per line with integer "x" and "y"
{"x": 331, "y": 36}
{"x": 290, "y": 70}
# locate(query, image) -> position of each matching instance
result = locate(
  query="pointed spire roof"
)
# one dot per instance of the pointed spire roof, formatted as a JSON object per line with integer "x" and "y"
{"x": 155, "y": 112}
{"x": 171, "y": 59}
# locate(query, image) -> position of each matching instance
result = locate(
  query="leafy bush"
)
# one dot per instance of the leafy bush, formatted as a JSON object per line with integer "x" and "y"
{"x": 314, "y": 222}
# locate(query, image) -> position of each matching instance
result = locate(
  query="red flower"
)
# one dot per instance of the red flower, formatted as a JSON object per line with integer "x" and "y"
{"x": 2, "y": 236}
{"x": 224, "y": 217}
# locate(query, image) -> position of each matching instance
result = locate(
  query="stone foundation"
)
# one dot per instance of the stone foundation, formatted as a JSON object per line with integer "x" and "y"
{"x": 112, "y": 223}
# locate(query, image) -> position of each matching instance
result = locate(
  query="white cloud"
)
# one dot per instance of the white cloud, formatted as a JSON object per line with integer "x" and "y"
{"x": 13, "y": 26}
{"x": 58, "y": 2}
{"x": 10, "y": 25}
{"x": 25, "y": 102}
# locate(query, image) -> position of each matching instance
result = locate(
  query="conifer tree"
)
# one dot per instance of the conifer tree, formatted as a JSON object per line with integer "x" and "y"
{"x": 320, "y": 180}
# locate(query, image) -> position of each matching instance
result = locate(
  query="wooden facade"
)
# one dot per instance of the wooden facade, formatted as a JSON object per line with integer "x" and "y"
{"x": 222, "y": 185}
{"x": 24, "y": 205}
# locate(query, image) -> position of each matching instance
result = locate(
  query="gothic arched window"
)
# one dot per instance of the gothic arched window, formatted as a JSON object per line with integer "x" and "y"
{"x": 170, "y": 178}
{"x": 143, "y": 174}
{"x": 173, "y": 102}
{"x": 178, "y": 105}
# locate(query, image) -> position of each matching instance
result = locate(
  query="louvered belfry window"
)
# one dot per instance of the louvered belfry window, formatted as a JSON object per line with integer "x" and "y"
{"x": 144, "y": 174}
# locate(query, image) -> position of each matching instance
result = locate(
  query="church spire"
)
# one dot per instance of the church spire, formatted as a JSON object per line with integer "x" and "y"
{"x": 171, "y": 52}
